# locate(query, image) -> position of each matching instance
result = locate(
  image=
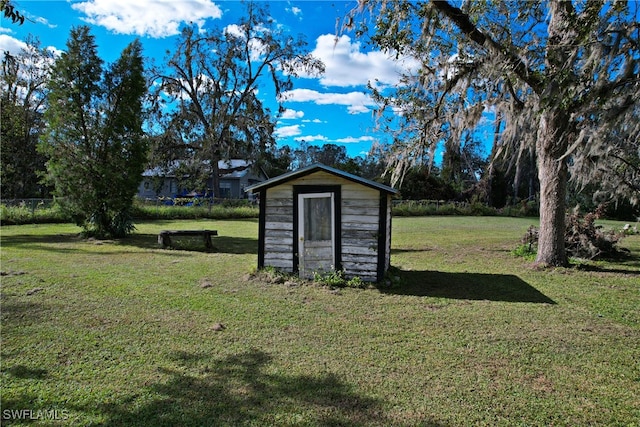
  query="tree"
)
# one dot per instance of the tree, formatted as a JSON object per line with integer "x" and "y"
{"x": 422, "y": 184}
{"x": 463, "y": 163}
{"x": 276, "y": 161}
{"x": 331, "y": 155}
{"x": 94, "y": 135}
{"x": 208, "y": 106}
{"x": 561, "y": 74}
{"x": 23, "y": 79}
{"x": 413, "y": 124}
{"x": 612, "y": 162}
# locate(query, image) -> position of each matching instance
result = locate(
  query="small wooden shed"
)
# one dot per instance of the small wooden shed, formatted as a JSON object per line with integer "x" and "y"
{"x": 318, "y": 219}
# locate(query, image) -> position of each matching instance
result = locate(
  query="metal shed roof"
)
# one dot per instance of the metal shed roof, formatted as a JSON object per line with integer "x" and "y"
{"x": 316, "y": 168}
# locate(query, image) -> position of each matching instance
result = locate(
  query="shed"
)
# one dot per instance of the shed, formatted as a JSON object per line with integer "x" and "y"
{"x": 318, "y": 219}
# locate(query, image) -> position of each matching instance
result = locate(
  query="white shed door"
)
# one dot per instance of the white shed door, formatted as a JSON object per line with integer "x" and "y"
{"x": 316, "y": 224}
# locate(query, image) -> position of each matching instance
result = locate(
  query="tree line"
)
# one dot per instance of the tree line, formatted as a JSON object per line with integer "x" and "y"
{"x": 559, "y": 81}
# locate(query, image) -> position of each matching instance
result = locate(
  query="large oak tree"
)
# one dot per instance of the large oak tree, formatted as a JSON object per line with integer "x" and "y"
{"x": 564, "y": 76}
{"x": 208, "y": 92}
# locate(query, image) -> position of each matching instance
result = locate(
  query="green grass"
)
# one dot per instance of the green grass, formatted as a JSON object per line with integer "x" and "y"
{"x": 122, "y": 333}
{"x": 24, "y": 214}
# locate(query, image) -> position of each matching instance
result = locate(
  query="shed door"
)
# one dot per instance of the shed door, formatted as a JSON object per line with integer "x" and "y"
{"x": 316, "y": 223}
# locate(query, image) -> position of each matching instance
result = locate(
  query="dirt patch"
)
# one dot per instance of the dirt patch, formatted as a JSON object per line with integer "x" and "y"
{"x": 205, "y": 283}
{"x": 12, "y": 273}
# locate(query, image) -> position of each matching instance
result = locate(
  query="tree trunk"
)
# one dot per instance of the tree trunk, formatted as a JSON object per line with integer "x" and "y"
{"x": 215, "y": 177}
{"x": 553, "y": 176}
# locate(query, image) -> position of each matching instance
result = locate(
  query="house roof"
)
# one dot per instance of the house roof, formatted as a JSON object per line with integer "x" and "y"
{"x": 316, "y": 168}
{"x": 230, "y": 169}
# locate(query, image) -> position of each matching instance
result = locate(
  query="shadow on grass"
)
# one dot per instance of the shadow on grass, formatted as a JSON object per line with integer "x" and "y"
{"x": 221, "y": 244}
{"x": 467, "y": 286}
{"x": 242, "y": 390}
{"x": 54, "y": 242}
{"x": 622, "y": 263}
{"x": 634, "y": 270}
{"x": 19, "y": 313}
{"x": 26, "y": 373}
{"x": 37, "y": 241}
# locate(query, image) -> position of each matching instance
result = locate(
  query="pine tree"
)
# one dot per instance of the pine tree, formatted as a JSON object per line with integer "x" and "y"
{"x": 94, "y": 136}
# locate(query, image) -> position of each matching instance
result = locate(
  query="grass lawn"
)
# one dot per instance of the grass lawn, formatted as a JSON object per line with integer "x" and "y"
{"x": 123, "y": 333}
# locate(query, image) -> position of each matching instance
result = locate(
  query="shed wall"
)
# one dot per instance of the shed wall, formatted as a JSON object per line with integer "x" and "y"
{"x": 360, "y": 208}
{"x": 387, "y": 256}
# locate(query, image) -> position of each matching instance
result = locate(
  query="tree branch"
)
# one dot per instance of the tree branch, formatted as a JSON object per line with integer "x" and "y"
{"x": 463, "y": 22}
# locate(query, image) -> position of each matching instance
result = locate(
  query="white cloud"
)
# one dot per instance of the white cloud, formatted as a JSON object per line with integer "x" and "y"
{"x": 15, "y": 46}
{"x": 292, "y": 114}
{"x": 346, "y": 65}
{"x": 356, "y": 102}
{"x": 357, "y": 109}
{"x": 43, "y": 21}
{"x": 295, "y": 10}
{"x": 351, "y": 139}
{"x": 152, "y": 18}
{"x": 287, "y": 131}
{"x": 312, "y": 138}
{"x": 11, "y": 44}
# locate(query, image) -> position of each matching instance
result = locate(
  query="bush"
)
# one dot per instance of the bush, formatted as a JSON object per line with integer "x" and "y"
{"x": 337, "y": 279}
{"x": 523, "y": 209}
{"x": 44, "y": 212}
{"x": 219, "y": 211}
{"x": 39, "y": 214}
{"x": 478, "y": 208}
{"x": 524, "y": 251}
{"x": 441, "y": 207}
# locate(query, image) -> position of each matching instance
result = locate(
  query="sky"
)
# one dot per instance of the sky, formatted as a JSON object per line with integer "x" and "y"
{"x": 334, "y": 108}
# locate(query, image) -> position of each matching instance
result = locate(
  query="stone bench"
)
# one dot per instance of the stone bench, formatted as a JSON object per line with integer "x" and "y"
{"x": 164, "y": 238}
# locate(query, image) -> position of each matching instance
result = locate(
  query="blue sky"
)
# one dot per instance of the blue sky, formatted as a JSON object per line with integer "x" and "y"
{"x": 334, "y": 108}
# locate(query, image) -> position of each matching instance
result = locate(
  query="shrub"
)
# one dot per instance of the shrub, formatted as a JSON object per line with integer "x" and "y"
{"x": 337, "y": 279}
{"x": 441, "y": 207}
{"x": 40, "y": 214}
{"x": 478, "y": 208}
{"x": 218, "y": 211}
{"x": 525, "y": 251}
{"x": 123, "y": 223}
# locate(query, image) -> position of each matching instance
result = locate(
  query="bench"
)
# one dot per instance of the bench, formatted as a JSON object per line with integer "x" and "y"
{"x": 164, "y": 238}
